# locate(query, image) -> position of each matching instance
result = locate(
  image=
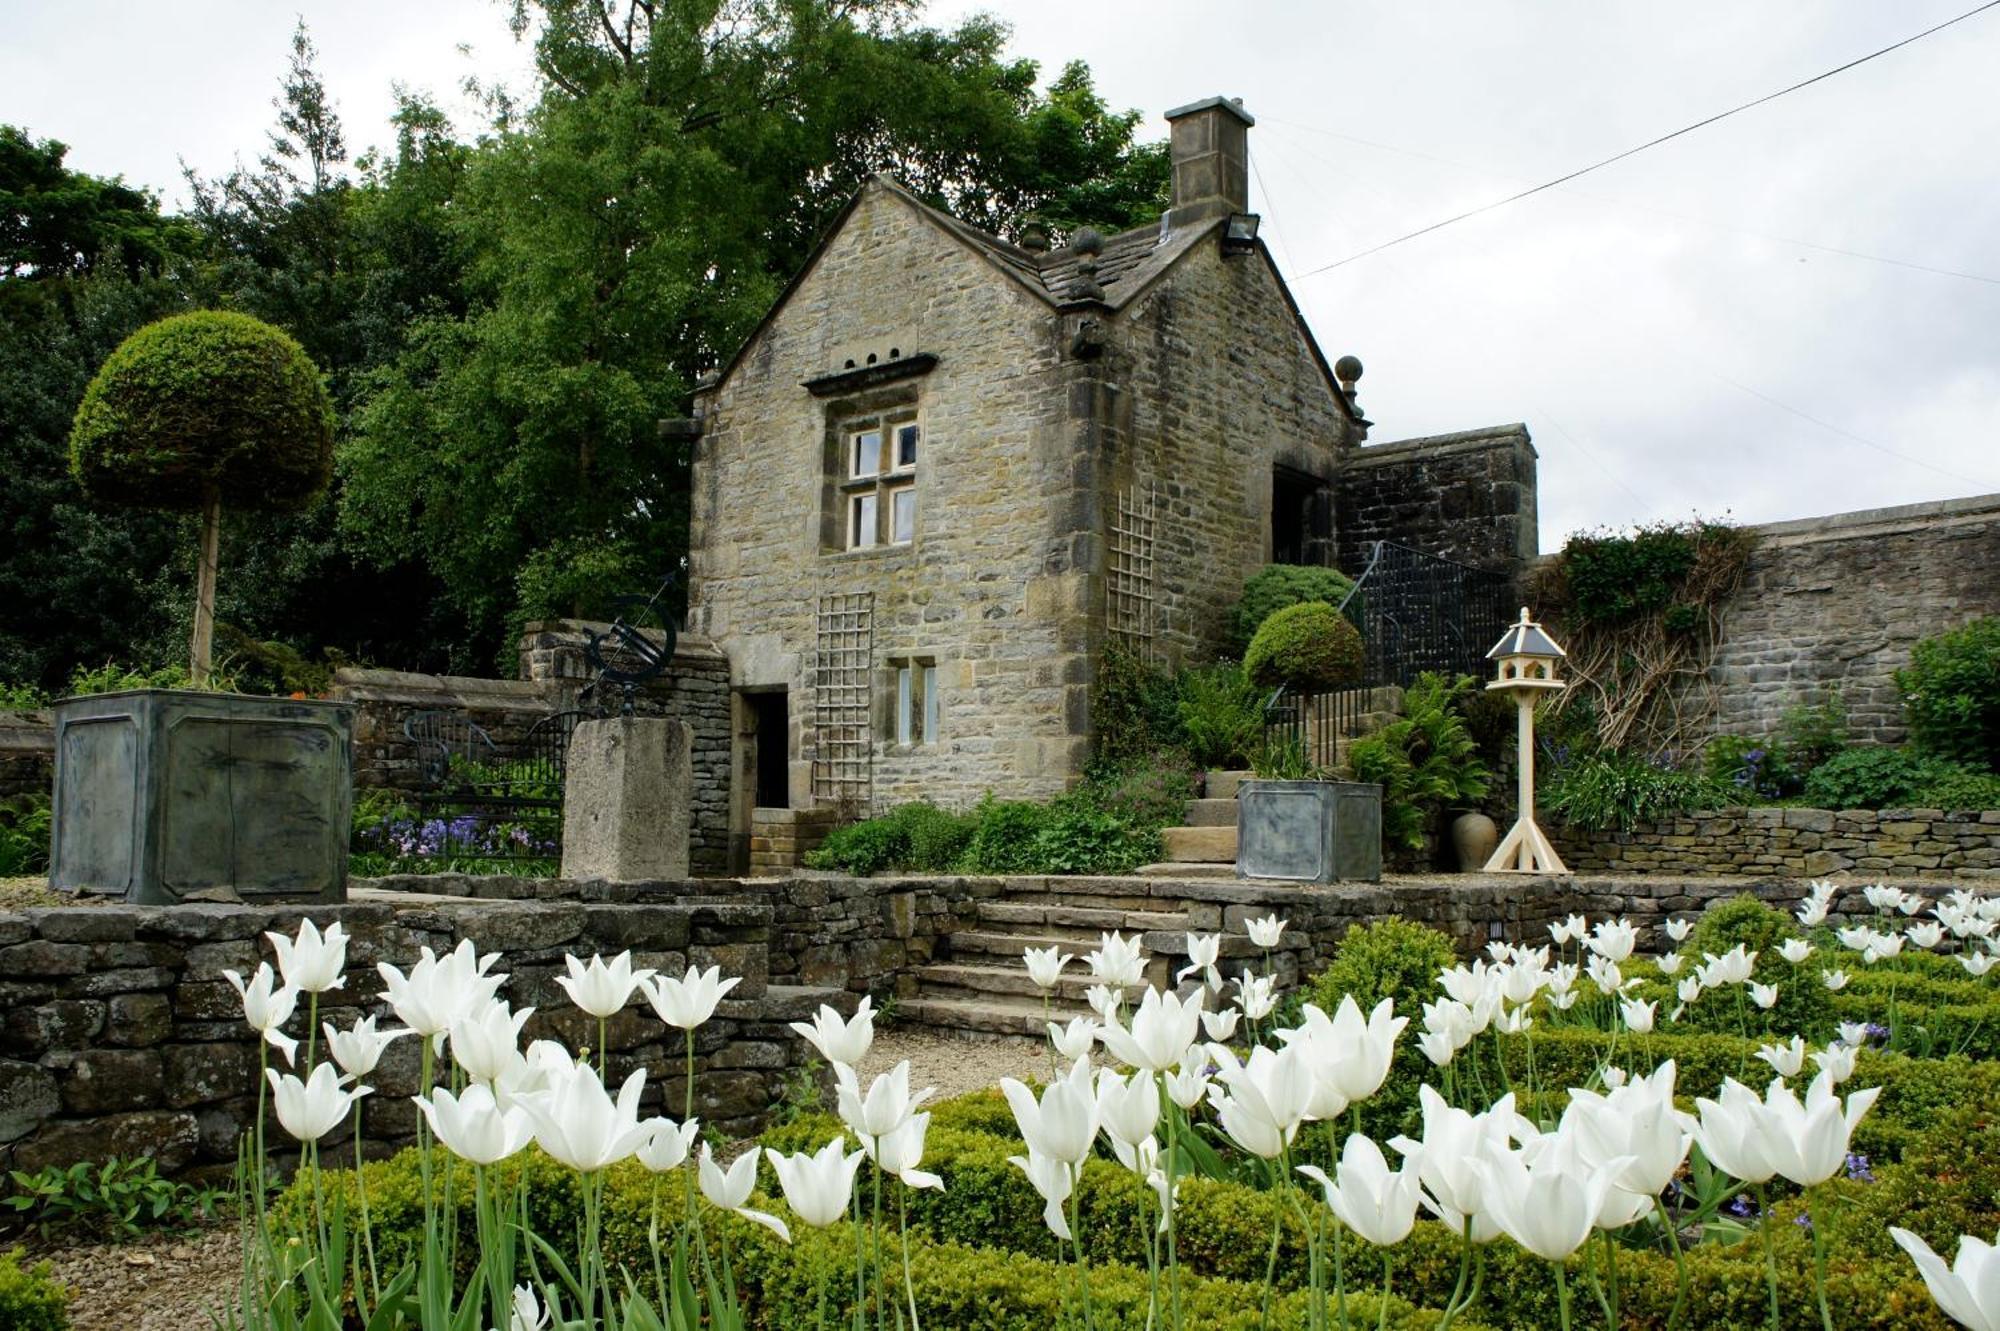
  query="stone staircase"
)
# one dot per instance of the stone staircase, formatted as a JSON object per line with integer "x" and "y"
{"x": 1205, "y": 846}
{"x": 979, "y": 986}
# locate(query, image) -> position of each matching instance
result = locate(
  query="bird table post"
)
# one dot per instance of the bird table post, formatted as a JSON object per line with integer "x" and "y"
{"x": 1526, "y": 668}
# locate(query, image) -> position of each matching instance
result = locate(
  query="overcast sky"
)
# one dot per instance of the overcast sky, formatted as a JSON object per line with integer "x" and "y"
{"x": 1678, "y": 331}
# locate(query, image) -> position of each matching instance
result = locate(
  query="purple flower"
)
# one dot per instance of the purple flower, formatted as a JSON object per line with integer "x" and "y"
{"x": 1741, "y": 1207}
{"x": 1857, "y": 1168}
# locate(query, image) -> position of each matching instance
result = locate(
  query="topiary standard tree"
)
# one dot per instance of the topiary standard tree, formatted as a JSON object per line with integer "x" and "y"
{"x": 1309, "y": 647}
{"x": 198, "y": 411}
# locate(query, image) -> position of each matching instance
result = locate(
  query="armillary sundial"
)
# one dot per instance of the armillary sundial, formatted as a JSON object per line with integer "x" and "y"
{"x": 636, "y": 649}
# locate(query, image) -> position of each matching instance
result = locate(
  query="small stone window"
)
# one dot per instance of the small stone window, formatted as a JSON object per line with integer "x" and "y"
{"x": 879, "y": 486}
{"x": 916, "y": 701}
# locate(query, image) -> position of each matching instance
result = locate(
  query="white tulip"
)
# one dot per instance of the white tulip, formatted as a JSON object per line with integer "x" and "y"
{"x": 1854, "y": 1034}
{"x": 1447, "y": 1158}
{"x": 1679, "y": 929}
{"x": 528, "y": 1313}
{"x": 1689, "y": 989}
{"x": 311, "y": 1108}
{"x": 1352, "y": 1052}
{"x": 1834, "y": 980}
{"x": 1787, "y": 1060}
{"x": 1638, "y": 1016}
{"x": 1220, "y": 1026}
{"x": 1104, "y": 1000}
{"x": 1257, "y": 995}
{"x": 1266, "y": 932}
{"x": 1968, "y": 1291}
{"x": 1063, "y": 1123}
{"x": 1883, "y": 898}
{"x": 1128, "y": 1108}
{"x": 1549, "y": 1206}
{"x": 1605, "y": 975}
{"x": 1187, "y": 1086}
{"x": 900, "y": 1152}
{"x": 1926, "y": 935}
{"x": 1377, "y": 1204}
{"x": 1054, "y": 1180}
{"x": 1670, "y": 963}
{"x": 1837, "y": 1061}
{"x": 1437, "y": 1047}
{"x": 1203, "y": 950}
{"x": 267, "y": 1006}
{"x": 359, "y": 1048}
{"x": 1764, "y": 996}
{"x": 1261, "y": 1101}
{"x": 1795, "y": 950}
{"x": 440, "y": 989}
{"x": 1976, "y": 963}
{"x": 1732, "y": 967}
{"x": 667, "y": 1144}
{"x": 1809, "y": 1139}
{"x": 1571, "y": 930}
{"x": 886, "y": 1106}
{"x": 840, "y": 1040}
{"x": 729, "y": 1190}
{"x": 473, "y": 1126}
{"x": 1163, "y": 1030}
{"x": 601, "y": 989}
{"x": 1735, "y": 1134}
{"x": 689, "y": 1001}
{"x": 1119, "y": 962}
{"x": 577, "y": 1121}
{"x": 1045, "y": 965}
{"x": 485, "y": 1041}
{"x": 1075, "y": 1040}
{"x": 1613, "y": 940}
{"x": 312, "y": 963}
{"x": 817, "y": 1186}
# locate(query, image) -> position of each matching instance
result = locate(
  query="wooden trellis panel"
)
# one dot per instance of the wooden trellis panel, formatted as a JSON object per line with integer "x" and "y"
{"x": 1130, "y": 610}
{"x": 843, "y": 666}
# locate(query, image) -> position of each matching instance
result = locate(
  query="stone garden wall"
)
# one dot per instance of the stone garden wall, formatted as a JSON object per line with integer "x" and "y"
{"x": 121, "y": 1037}
{"x": 1797, "y": 842}
{"x": 1468, "y": 497}
{"x": 1834, "y": 604}
{"x": 27, "y": 754}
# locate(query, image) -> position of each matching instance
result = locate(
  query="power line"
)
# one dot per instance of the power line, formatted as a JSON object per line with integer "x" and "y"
{"x": 1634, "y": 205}
{"x": 1652, "y": 143}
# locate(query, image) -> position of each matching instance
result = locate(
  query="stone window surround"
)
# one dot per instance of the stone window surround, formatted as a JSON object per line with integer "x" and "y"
{"x": 890, "y": 719}
{"x": 888, "y": 407}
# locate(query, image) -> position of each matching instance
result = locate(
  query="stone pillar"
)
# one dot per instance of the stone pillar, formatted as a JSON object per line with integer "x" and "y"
{"x": 626, "y": 800}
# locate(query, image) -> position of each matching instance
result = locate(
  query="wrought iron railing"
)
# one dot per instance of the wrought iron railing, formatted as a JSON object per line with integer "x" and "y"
{"x": 1416, "y": 612}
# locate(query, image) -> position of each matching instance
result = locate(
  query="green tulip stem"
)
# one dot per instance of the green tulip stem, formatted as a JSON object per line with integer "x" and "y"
{"x": 1339, "y": 1275}
{"x": 603, "y": 1054}
{"x": 1173, "y": 1117}
{"x": 367, "y": 1230}
{"x": 1076, "y": 1238}
{"x": 1271, "y": 1268}
{"x": 1813, "y": 1212}
{"x": 875, "y": 1240}
{"x": 1770, "y": 1250}
{"x": 1596, "y": 1285}
{"x": 687, "y": 1116}
{"x": 860, "y": 1261}
{"x": 1680, "y": 1267}
{"x": 903, "y": 1236}
{"x": 1562, "y": 1294}
{"x": 1048, "y": 1020}
{"x": 1453, "y": 1304}
{"x": 312, "y": 1033}
{"x": 1388, "y": 1283}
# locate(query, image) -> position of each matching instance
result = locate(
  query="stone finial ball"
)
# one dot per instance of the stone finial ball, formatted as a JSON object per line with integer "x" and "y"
{"x": 1347, "y": 369}
{"x": 1088, "y": 240}
{"x": 205, "y": 402}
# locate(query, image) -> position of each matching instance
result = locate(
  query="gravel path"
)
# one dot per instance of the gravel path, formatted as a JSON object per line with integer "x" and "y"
{"x": 955, "y": 1067}
{"x": 165, "y": 1282}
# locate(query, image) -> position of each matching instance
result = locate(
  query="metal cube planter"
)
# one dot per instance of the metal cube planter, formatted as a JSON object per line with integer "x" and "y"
{"x": 163, "y": 793}
{"x": 1309, "y": 831}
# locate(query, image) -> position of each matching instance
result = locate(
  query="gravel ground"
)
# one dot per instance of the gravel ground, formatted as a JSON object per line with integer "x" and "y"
{"x": 21, "y": 893}
{"x": 954, "y": 1066}
{"x": 166, "y": 1282}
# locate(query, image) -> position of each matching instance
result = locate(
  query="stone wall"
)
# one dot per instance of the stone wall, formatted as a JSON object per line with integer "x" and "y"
{"x": 1468, "y": 497}
{"x": 121, "y": 1037}
{"x": 1799, "y": 842}
{"x": 27, "y": 754}
{"x": 1832, "y": 606}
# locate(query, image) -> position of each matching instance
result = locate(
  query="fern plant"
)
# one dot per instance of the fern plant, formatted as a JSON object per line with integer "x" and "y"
{"x": 1425, "y": 761}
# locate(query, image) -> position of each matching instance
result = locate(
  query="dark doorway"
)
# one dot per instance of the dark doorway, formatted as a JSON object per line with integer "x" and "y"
{"x": 769, "y": 720}
{"x": 1301, "y": 525}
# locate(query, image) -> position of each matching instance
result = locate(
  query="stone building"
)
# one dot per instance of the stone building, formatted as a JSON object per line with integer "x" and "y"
{"x": 947, "y": 470}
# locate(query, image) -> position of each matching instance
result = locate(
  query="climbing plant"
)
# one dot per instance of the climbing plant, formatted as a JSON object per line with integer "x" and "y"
{"x": 1640, "y": 615}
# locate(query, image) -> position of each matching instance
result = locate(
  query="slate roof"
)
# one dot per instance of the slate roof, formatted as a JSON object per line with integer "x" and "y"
{"x": 1525, "y": 639}
{"x": 1126, "y": 265}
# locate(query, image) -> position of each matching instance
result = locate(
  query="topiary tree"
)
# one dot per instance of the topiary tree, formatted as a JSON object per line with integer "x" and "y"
{"x": 198, "y": 411}
{"x": 1309, "y": 647}
{"x": 1275, "y": 586}
{"x": 1951, "y": 693}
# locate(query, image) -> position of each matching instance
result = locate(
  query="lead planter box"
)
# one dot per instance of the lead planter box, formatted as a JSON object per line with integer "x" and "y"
{"x": 162, "y": 793}
{"x": 1309, "y": 831}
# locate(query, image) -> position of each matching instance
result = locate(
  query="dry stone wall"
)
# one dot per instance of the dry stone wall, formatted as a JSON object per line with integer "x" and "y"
{"x": 1799, "y": 842}
{"x": 121, "y": 1036}
{"x": 27, "y": 754}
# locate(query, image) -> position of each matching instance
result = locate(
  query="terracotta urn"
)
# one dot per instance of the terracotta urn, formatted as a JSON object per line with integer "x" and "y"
{"x": 1473, "y": 837}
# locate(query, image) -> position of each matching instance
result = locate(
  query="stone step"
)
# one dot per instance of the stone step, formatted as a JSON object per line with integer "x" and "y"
{"x": 1187, "y": 869}
{"x": 1205, "y": 845}
{"x": 1221, "y": 785}
{"x": 974, "y": 1018}
{"x": 1211, "y": 813}
{"x": 1097, "y": 893}
{"x": 954, "y": 979}
{"x": 1034, "y": 915}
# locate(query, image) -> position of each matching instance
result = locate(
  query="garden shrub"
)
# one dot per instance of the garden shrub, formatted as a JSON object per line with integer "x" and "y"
{"x": 1134, "y": 708}
{"x": 1425, "y": 760}
{"x": 917, "y": 836}
{"x": 1146, "y": 792}
{"x": 1951, "y": 694}
{"x": 1757, "y": 768}
{"x": 1398, "y": 959}
{"x": 112, "y": 677}
{"x": 1275, "y": 586}
{"x": 1960, "y": 791}
{"x": 24, "y": 835}
{"x": 1810, "y": 733}
{"x": 1005, "y": 836}
{"x": 30, "y": 1298}
{"x": 1804, "y": 1005}
{"x": 1221, "y": 715}
{"x": 22, "y": 698}
{"x": 1872, "y": 777}
{"x": 1604, "y": 790}
{"x": 1309, "y": 648}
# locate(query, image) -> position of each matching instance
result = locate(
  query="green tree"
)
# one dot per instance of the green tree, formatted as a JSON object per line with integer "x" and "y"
{"x": 198, "y": 410}
{"x": 625, "y": 233}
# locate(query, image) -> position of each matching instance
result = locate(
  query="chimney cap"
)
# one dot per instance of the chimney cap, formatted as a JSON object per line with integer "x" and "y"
{"x": 1233, "y": 105}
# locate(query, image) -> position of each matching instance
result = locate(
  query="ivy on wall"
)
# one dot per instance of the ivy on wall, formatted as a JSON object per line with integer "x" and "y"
{"x": 1640, "y": 615}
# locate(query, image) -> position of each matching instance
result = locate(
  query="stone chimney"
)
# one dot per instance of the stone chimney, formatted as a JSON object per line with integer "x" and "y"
{"x": 1211, "y": 158}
